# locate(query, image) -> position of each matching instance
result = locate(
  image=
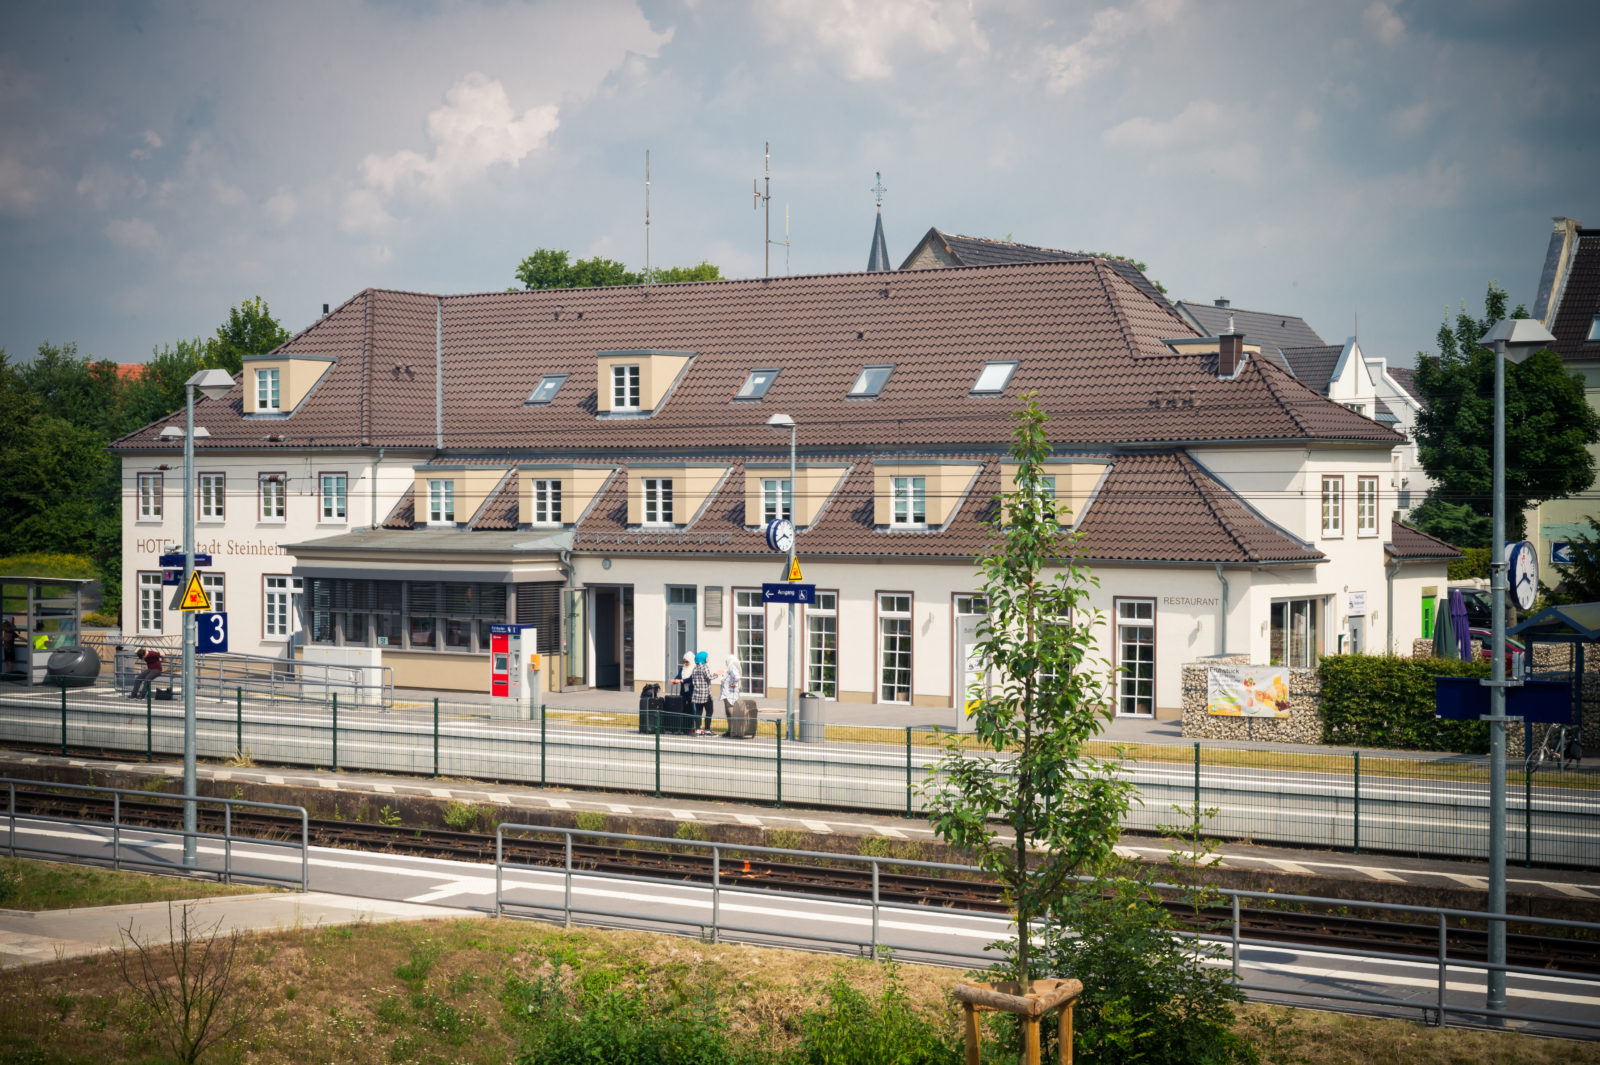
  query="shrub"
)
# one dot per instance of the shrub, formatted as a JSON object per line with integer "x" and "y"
{"x": 1474, "y": 562}
{"x": 98, "y": 620}
{"x": 851, "y": 1029}
{"x": 1384, "y": 701}
{"x": 628, "y": 1029}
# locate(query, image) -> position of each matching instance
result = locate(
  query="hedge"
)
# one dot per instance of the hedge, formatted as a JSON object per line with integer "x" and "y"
{"x": 1372, "y": 701}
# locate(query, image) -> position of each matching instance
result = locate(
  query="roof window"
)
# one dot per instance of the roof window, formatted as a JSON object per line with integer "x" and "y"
{"x": 1594, "y": 329}
{"x": 755, "y": 386}
{"x": 547, "y": 388}
{"x": 871, "y": 381}
{"x": 993, "y": 378}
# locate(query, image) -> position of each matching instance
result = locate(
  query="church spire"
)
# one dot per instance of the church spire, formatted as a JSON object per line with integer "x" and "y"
{"x": 878, "y": 259}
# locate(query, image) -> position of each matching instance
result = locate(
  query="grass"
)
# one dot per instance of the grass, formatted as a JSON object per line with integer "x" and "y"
{"x": 456, "y": 992}
{"x": 31, "y": 885}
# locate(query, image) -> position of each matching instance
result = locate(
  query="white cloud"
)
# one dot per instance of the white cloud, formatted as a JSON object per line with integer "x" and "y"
{"x": 152, "y": 141}
{"x": 475, "y": 130}
{"x": 281, "y": 207}
{"x": 1213, "y": 139}
{"x": 862, "y": 34}
{"x": 1407, "y": 122}
{"x": 1068, "y": 66}
{"x": 1307, "y": 121}
{"x": 1198, "y": 121}
{"x": 227, "y": 193}
{"x": 1383, "y": 23}
{"x": 135, "y": 234}
{"x": 22, "y": 187}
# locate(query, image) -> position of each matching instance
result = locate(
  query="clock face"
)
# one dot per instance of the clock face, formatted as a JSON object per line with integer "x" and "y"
{"x": 1524, "y": 575}
{"x": 783, "y": 535}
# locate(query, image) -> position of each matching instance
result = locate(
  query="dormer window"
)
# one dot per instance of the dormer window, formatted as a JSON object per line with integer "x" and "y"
{"x": 870, "y": 382}
{"x": 546, "y": 502}
{"x": 658, "y": 501}
{"x": 910, "y": 501}
{"x": 546, "y": 390}
{"x": 993, "y": 378}
{"x": 267, "y": 395}
{"x": 441, "y": 502}
{"x": 755, "y": 386}
{"x": 625, "y": 387}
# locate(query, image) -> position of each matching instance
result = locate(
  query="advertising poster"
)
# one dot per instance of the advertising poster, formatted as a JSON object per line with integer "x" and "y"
{"x": 1247, "y": 691}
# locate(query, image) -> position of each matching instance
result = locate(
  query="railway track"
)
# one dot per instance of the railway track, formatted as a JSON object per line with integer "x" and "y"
{"x": 761, "y": 873}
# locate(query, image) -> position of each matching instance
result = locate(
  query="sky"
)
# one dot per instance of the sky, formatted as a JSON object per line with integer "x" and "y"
{"x": 1371, "y": 161}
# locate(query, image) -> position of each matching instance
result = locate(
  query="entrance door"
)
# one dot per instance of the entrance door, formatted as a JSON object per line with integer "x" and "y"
{"x": 613, "y": 637}
{"x": 681, "y": 626}
{"x": 1355, "y": 631}
{"x": 1136, "y": 657}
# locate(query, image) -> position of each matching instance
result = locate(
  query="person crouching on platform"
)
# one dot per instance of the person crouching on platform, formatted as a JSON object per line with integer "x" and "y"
{"x": 151, "y": 661}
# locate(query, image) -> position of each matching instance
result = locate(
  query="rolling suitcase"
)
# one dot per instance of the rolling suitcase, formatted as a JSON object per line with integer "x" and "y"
{"x": 649, "y": 707}
{"x": 675, "y": 715}
{"x": 742, "y": 719}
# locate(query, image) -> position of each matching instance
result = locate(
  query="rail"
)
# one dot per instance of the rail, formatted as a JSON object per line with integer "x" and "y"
{"x": 142, "y": 855}
{"x": 220, "y": 676}
{"x": 1437, "y": 1010}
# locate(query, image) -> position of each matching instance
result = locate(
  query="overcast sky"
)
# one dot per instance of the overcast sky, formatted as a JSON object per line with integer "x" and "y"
{"x": 161, "y": 161}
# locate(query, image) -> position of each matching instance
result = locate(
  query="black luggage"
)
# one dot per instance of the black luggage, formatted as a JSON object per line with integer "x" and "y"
{"x": 649, "y": 707}
{"x": 676, "y": 715}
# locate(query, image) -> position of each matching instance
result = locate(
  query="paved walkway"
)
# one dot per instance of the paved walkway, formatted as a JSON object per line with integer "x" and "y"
{"x": 29, "y": 938}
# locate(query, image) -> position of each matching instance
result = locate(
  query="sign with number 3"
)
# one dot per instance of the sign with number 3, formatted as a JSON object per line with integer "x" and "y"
{"x": 211, "y": 634}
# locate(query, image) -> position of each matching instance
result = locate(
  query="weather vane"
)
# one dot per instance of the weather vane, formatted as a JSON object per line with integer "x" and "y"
{"x": 878, "y": 190}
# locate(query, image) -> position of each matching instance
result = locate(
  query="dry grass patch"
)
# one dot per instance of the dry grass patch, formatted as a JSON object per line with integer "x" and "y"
{"x": 26, "y": 884}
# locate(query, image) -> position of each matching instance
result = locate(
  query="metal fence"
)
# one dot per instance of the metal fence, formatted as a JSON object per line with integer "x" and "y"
{"x": 1361, "y": 801}
{"x": 139, "y": 854}
{"x": 274, "y": 680}
{"x": 517, "y": 900}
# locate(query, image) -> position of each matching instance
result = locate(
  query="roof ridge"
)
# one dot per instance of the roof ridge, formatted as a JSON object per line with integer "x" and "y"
{"x": 1283, "y": 403}
{"x": 1204, "y": 488}
{"x": 1100, "y": 268}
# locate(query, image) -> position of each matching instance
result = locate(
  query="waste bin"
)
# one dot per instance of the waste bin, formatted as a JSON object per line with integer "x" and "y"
{"x": 808, "y": 725}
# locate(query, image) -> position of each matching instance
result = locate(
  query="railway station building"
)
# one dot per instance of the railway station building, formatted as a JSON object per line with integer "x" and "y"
{"x": 597, "y": 462}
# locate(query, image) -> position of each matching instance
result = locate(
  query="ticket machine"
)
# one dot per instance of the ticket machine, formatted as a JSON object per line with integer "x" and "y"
{"x": 513, "y": 670}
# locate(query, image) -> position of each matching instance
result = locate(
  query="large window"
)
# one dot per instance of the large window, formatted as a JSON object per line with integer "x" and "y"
{"x": 278, "y": 606}
{"x": 216, "y": 586}
{"x": 1296, "y": 633}
{"x": 750, "y": 639}
{"x": 625, "y": 387}
{"x": 441, "y": 502}
{"x": 1333, "y": 506}
{"x": 333, "y": 489}
{"x": 546, "y": 502}
{"x": 1136, "y": 656}
{"x": 777, "y": 499}
{"x": 272, "y": 489}
{"x": 150, "y": 605}
{"x": 212, "y": 490}
{"x": 894, "y": 647}
{"x": 1367, "y": 506}
{"x": 150, "y": 493}
{"x": 822, "y": 645}
{"x": 419, "y": 615}
{"x": 267, "y": 390}
{"x": 658, "y": 501}
{"x": 910, "y": 500}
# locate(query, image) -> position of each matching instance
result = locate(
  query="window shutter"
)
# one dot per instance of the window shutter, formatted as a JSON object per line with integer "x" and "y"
{"x": 713, "y": 601}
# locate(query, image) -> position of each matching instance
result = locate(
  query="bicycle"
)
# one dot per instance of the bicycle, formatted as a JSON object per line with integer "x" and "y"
{"x": 1562, "y": 746}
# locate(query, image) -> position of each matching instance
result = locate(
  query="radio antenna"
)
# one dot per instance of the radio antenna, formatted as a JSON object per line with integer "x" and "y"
{"x": 763, "y": 197}
{"x": 647, "y": 216}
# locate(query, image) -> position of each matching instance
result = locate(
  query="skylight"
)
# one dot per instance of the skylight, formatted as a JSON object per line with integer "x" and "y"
{"x": 1594, "y": 329}
{"x": 755, "y": 386}
{"x": 548, "y": 386}
{"x": 871, "y": 381}
{"x": 993, "y": 378}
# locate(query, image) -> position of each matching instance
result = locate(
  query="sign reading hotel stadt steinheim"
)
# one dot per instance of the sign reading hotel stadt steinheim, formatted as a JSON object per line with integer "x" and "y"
{"x": 1247, "y": 691}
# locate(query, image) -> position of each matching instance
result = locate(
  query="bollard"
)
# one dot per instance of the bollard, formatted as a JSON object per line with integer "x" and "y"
{"x": 780, "y": 764}
{"x": 63, "y": 717}
{"x": 335, "y": 732}
{"x": 1355, "y": 804}
{"x": 436, "y": 737}
{"x": 238, "y": 721}
{"x": 908, "y": 778}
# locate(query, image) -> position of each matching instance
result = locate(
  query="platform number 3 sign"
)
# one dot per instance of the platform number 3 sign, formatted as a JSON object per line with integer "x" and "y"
{"x": 211, "y": 634}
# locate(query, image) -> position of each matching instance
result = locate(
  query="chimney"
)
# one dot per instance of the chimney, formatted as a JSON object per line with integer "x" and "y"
{"x": 1230, "y": 351}
{"x": 1222, "y": 302}
{"x": 324, "y": 310}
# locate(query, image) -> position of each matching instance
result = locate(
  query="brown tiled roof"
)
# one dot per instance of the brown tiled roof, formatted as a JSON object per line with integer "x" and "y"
{"x": 502, "y": 509}
{"x": 404, "y": 514}
{"x": 1087, "y": 341}
{"x": 1407, "y": 379}
{"x": 981, "y": 251}
{"x": 1152, "y": 507}
{"x": 1410, "y": 542}
{"x": 1314, "y": 365}
{"x": 1580, "y": 301}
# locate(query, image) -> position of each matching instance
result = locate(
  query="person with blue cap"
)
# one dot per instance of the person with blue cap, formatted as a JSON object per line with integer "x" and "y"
{"x": 700, "y": 695}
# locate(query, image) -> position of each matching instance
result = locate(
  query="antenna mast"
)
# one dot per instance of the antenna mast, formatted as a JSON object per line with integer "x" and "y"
{"x": 647, "y": 216}
{"x": 761, "y": 198}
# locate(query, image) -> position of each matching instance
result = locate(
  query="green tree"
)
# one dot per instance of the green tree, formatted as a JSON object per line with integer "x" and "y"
{"x": 1043, "y": 699}
{"x": 550, "y": 268}
{"x": 1580, "y": 580}
{"x": 1549, "y": 424}
{"x": 1454, "y": 523}
{"x": 701, "y": 271}
{"x": 249, "y": 330}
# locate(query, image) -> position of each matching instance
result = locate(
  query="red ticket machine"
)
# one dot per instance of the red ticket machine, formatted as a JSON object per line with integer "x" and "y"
{"x": 511, "y": 680}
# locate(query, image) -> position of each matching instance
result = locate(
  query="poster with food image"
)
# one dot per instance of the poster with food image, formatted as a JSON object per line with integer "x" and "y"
{"x": 1247, "y": 691}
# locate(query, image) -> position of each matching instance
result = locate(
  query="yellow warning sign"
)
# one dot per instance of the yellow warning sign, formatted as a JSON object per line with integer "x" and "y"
{"x": 194, "y": 595}
{"x": 794, "y": 570}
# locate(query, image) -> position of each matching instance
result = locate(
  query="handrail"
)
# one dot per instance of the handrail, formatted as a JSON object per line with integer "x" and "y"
{"x": 280, "y": 679}
{"x": 226, "y": 873}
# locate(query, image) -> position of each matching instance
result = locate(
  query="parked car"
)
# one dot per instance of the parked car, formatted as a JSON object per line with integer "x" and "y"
{"x": 1516, "y": 653}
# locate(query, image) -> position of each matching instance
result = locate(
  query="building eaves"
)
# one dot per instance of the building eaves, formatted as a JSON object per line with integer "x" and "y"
{"x": 1408, "y": 543}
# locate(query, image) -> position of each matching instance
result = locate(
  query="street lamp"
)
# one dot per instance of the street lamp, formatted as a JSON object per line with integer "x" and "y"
{"x": 781, "y": 422}
{"x": 1514, "y": 339}
{"x": 213, "y": 384}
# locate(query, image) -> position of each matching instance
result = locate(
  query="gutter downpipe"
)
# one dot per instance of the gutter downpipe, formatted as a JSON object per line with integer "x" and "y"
{"x": 564, "y": 557}
{"x": 376, "y": 464}
{"x": 1390, "y": 569}
{"x": 438, "y": 373}
{"x": 1222, "y": 627}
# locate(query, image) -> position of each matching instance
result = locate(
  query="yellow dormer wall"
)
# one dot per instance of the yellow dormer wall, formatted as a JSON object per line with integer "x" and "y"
{"x": 690, "y": 487}
{"x": 946, "y": 482}
{"x": 1075, "y": 484}
{"x": 814, "y": 486}
{"x": 473, "y": 486}
{"x": 296, "y": 375}
{"x": 579, "y": 486}
{"x": 657, "y": 371}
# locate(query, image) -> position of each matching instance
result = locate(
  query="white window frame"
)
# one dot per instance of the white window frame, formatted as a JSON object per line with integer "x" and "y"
{"x": 657, "y": 501}
{"x": 750, "y": 631}
{"x": 333, "y": 488}
{"x": 1302, "y": 646}
{"x": 151, "y": 489}
{"x": 896, "y": 609}
{"x": 152, "y": 603}
{"x": 272, "y": 494}
{"x": 216, "y": 586}
{"x": 822, "y": 625}
{"x": 1333, "y": 506}
{"x": 212, "y": 489}
{"x": 268, "y": 396}
{"x": 868, "y": 384}
{"x": 993, "y": 378}
{"x": 772, "y": 488}
{"x": 625, "y": 386}
{"x": 1366, "y": 506}
{"x": 905, "y": 495}
{"x": 1128, "y": 627}
{"x": 277, "y": 605}
{"x": 441, "y": 501}
{"x": 547, "y": 501}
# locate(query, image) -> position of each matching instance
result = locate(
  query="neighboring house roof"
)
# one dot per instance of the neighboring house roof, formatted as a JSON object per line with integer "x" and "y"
{"x": 1087, "y": 342}
{"x": 1407, "y": 380}
{"x": 1410, "y": 543}
{"x": 981, "y": 251}
{"x": 1314, "y": 365}
{"x": 1579, "y": 300}
{"x": 878, "y": 258}
{"x": 1279, "y": 330}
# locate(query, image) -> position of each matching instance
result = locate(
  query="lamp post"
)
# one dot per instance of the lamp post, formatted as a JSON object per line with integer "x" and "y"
{"x": 780, "y": 422}
{"x": 1516, "y": 339}
{"x": 213, "y": 384}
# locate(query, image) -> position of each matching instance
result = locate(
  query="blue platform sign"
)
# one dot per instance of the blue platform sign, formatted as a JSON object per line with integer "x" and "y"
{"x": 175, "y": 558}
{"x": 211, "y": 634}
{"x": 1561, "y": 553}
{"x": 788, "y": 593}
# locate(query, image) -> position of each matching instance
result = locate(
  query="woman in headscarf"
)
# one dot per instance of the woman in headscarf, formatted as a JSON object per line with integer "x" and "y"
{"x": 698, "y": 689}
{"x": 684, "y": 671}
{"x": 730, "y": 684}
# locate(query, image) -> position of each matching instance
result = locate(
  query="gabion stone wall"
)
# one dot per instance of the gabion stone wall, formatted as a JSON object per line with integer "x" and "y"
{"x": 1303, "y": 725}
